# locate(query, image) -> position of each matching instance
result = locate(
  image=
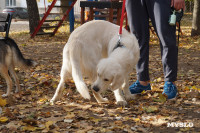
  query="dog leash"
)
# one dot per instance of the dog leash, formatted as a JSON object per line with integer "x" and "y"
{"x": 122, "y": 18}
{"x": 120, "y": 28}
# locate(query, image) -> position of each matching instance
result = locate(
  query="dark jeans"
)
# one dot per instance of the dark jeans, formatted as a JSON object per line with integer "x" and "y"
{"x": 139, "y": 12}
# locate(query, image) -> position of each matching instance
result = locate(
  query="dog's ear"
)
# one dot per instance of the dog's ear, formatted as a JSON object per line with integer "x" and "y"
{"x": 118, "y": 80}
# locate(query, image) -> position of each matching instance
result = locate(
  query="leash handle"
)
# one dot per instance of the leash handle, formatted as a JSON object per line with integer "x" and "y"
{"x": 122, "y": 17}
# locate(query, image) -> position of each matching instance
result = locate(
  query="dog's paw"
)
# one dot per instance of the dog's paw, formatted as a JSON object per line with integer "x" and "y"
{"x": 4, "y": 95}
{"x": 51, "y": 102}
{"x": 103, "y": 100}
{"x": 121, "y": 103}
{"x": 130, "y": 97}
{"x": 87, "y": 96}
{"x": 55, "y": 98}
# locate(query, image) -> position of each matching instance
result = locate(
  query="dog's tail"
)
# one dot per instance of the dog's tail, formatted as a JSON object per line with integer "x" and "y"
{"x": 75, "y": 58}
{"x": 18, "y": 57}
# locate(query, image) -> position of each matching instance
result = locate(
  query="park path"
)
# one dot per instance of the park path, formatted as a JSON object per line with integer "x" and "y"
{"x": 17, "y": 26}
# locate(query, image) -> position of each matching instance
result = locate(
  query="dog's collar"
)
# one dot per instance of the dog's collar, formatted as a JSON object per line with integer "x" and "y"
{"x": 118, "y": 45}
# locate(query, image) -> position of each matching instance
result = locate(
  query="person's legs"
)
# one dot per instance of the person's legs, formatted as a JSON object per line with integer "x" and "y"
{"x": 138, "y": 15}
{"x": 138, "y": 20}
{"x": 159, "y": 12}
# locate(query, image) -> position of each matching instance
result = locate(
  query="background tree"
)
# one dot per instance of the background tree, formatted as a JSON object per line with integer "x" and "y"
{"x": 189, "y": 5}
{"x": 196, "y": 19}
{"x": 33, "y": 14}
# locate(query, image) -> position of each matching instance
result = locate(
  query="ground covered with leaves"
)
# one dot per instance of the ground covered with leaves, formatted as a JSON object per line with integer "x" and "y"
{"x": 30, "y": 111}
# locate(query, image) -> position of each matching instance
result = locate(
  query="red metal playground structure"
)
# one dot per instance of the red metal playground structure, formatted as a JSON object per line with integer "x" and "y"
{"x": 47, "y": 13}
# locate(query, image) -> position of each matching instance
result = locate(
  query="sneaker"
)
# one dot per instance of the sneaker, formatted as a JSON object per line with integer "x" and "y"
{"x": 137, "y": 88}
{"x": 170, "y": 90}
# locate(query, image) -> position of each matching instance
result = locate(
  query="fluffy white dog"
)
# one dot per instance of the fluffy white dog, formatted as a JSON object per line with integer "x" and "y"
{"x": 93, "y": 51}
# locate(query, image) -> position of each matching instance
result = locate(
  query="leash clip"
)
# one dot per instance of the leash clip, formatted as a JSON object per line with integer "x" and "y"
{"x": 119, "y": 37}
{"x": 118, "y": 43}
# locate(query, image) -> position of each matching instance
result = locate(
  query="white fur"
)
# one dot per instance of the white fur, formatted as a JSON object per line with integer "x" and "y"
{"x": 89, "y": 51}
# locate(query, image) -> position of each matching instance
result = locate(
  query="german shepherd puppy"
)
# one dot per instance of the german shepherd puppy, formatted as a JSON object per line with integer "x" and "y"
{"x": 11, "y": 56}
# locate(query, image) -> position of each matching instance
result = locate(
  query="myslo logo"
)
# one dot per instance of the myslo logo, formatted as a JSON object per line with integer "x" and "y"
{"x": 180, "y": 124}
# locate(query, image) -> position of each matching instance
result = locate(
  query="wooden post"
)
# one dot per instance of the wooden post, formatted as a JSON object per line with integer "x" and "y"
{"x": 118, "y": 15}
{"x": 91, "y": 13}
{"x": 111, "y": 15}
{"x": 82, "y": 15}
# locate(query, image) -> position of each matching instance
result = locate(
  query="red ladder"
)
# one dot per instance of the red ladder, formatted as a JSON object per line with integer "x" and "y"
{"x": 45, "y": 16}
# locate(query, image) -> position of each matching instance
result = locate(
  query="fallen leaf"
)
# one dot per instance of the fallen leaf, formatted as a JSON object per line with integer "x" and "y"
{"x": 3, "y": 119}
{"x": 136, "y": 119}
{"x": 2, "y": 102}
{"x": 150, "y": 109}
{"x": 48, "y": 124}
{"x": 162, "y": 98}
{"x": 28, "y": 128}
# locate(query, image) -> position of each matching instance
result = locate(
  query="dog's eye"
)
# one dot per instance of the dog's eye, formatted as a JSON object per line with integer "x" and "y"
{"x": 106, "y": 80}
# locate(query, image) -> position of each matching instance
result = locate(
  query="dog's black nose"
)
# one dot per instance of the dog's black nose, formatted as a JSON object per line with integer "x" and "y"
{"x": 96, "y": 88}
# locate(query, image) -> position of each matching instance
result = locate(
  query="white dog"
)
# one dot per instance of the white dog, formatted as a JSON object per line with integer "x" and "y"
{"x": 92, "y": 51}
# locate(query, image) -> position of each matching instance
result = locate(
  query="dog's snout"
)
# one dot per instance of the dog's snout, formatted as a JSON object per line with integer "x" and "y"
{"x": 96, "y": 88}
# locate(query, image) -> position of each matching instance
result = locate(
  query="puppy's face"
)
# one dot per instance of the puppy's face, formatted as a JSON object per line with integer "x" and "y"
{"x": 109, "y": 73}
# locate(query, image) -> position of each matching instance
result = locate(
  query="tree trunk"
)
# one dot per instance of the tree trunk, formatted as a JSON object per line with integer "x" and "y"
{"x": 33, "y": 14}
{"x": 196, "y": 19}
